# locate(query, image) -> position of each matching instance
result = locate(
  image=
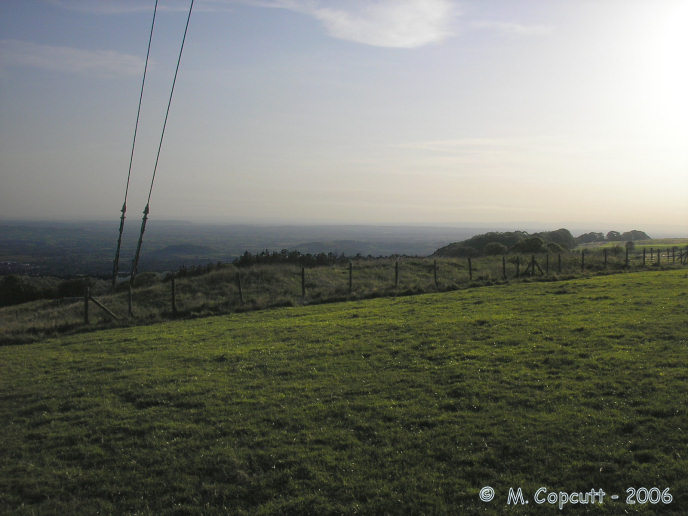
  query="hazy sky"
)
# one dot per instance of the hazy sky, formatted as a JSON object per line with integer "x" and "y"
{"x": 382, "y": 111}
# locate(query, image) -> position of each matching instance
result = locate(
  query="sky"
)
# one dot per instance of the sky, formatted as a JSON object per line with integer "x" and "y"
{"x": 425, "y": 112}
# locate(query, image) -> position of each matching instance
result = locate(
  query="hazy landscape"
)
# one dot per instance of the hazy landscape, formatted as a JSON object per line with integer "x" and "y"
{"x": 311, "y": 257}
{"x": 87, "y": 248}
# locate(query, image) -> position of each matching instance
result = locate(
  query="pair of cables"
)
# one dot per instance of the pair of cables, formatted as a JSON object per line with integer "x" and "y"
{"x": 146, "y": 211}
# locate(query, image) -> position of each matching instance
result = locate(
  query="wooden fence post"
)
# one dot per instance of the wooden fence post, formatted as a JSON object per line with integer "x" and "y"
{"x": 241, "y": 291}
{"x": 103, "y": 307}
{"x": 351, "y": 276}
{"x": 605, "y": 258}
{"x": 644, "y": 251}
{"x": 659, "y": 257}
{"x": 174, "y": 300}
{"x": 626, "y": 257}
{"x": 583, "y": 260}
{"x": 87, "y": 294}
{"x": 434, "y": 272}
{"x": 559, "y": 262}
{"x": 303, "y": 281}
{"x": 129, "y": 300}
{"x": 547, "y": 265}
{"x": 470, "y": 268}
{"x": 532, "y": 265}
{"x": 518, "y": 267}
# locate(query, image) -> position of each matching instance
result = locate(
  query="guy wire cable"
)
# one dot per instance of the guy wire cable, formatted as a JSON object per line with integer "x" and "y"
{"x": 146, "y": 210}
{"x": 115, "y": 266}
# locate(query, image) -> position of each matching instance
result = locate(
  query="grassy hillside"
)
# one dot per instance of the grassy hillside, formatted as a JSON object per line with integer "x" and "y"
{"x": 270, "y": 285}
{"x": 400, "y": 406}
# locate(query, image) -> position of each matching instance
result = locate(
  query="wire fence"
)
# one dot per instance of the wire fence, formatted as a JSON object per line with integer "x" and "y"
{"x": 226, "y": 288}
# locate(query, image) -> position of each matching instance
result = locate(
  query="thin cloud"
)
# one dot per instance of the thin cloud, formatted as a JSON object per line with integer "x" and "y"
{"x": 396, "y": 24}
{"x": 68, "y": 59}
{"x": 380, "y": 23}
{"x": 513, "y": 28}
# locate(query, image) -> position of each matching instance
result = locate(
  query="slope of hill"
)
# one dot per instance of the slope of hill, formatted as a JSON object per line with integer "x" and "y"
{"x": 406, "y": 405}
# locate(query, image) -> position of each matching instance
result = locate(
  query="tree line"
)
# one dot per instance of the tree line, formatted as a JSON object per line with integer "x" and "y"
{"x": 291, "y": 257}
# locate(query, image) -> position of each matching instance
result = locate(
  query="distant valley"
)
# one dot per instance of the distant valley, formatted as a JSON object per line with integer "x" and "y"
{"x": 87, "y": 248}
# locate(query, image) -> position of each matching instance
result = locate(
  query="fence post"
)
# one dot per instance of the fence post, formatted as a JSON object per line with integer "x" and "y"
{"x": 673, "y": 255}
{"x": 434, "y": 271}
{"x": 351, "y": 276}
{"x": 129, "y": 296}
{"x": 644, "y": 251}
{"x": 470, "y": 268}
{"x": 659, "y": 257}
{"x": 518, "y": 267}
{"x": 303, "y": 281}
{"x": 583, "y": 260}
{"x": 396, "y": 273}
{"x": 559, "y": 262}
{"x": 87, "y": 294}
{"x": 174, "y": 300}
{"x": 547, "y": 265}
{"x": 241, "y": 291}
{"x": 626, "y": 256}
{"x": 504, "y": 267}
{"x": 532, "y": 265}
{"x": 605, "y": 258}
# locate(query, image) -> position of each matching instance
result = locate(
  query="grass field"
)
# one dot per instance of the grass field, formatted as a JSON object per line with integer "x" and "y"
{"x": 402, "y": 406}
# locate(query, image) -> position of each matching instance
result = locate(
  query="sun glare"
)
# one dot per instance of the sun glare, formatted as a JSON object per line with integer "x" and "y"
{"x": 663, "y": 54}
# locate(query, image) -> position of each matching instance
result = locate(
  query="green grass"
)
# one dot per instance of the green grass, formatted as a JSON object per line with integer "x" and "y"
{"x": 403, "y": 406}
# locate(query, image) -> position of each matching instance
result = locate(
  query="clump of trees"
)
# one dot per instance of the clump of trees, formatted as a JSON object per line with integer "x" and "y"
{"x": 16, "y": 289}
{"x": 496, "y": 243}
{"x": 495, "y": 249}
{"x": 632, "y": 236}
{"x": 588, "y": 238}
{"x": 530, "y": 245}
{"x": 612, "y": 236}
